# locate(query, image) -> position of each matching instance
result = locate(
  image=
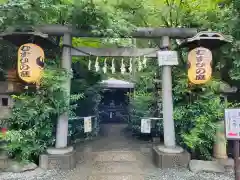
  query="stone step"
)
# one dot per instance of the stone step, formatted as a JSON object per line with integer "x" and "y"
{"x": 115, "y": 147}
{"x": 122, "y": 176}
{"x": 116, "y": 167}
{"x": 142, "y": 149}
{"x": 107, "y": 156}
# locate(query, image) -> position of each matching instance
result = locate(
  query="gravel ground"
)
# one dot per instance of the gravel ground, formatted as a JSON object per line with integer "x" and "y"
{"x": 168, "y": 174}
{"x": 183, "y": 174}
{"x": 137, "y": 153}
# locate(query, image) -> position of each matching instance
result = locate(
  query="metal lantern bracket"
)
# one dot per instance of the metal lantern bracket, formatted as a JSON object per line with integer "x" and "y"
{"x": 18, "y": 38}
{"x": 227, "y": 89}
{"x": 210, "y": 40}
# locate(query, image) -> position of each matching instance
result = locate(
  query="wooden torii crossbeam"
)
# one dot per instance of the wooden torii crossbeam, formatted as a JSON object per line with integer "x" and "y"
{"x": 141, "y": 32}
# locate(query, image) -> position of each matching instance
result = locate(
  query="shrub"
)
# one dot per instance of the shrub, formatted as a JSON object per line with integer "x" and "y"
{"x": 140, "y": 106}
{"x": 196, "y": 125}
{"x": 34, "y": 116}
{"x": 197, "y": 109}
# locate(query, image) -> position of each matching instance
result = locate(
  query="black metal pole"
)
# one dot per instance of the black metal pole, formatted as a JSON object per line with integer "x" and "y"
{"x": 236, "y": 160}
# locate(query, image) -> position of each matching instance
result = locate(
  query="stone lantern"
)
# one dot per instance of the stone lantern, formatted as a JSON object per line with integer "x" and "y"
{"x": 220, "y": 145}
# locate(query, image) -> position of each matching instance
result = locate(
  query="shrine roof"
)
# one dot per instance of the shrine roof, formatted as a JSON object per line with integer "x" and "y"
{"x": 116, "y": 83}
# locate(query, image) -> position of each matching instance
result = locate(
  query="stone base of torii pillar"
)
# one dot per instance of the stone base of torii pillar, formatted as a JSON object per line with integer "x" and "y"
{"x": 170, "y": 157}
{"x": 56, "y": 158}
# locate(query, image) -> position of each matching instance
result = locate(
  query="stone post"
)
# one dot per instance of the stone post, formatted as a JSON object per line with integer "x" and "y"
{"x": 220, "y": 144}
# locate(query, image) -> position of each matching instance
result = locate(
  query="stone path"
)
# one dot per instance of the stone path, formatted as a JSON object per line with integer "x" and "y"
{"x": 115, "y": 157}
{"x": 116, "y": 165}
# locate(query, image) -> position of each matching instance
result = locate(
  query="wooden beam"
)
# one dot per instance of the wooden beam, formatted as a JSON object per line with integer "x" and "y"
{"x": 114, "y": 52}
{"x": 180, "y": 33}
{"x": 141, "y": 32}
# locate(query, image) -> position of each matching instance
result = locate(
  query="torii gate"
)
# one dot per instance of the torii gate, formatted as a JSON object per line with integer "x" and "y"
{"x": 64, "y": 154}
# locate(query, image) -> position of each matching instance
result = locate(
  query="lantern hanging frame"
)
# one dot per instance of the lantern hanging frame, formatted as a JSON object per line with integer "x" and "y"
{"x": 19, "y": 37}
{"x": 208, "y": 39}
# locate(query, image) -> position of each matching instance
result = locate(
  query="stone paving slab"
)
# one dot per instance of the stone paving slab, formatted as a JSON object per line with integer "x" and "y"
{"x": 116, "y": 167}
{"x": 115, "y": 156}
{"x": 206, "y": 166}
{"x": 116, "y": 177}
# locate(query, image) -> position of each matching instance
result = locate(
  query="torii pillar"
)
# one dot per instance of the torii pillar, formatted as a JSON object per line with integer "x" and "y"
{"x": 62, "y": 156}
{"x": 169, "y": 154}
